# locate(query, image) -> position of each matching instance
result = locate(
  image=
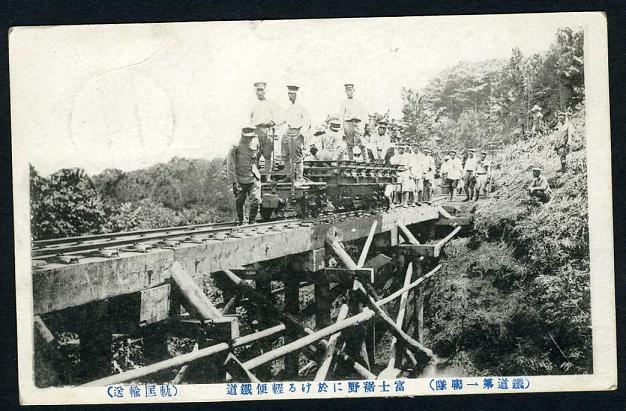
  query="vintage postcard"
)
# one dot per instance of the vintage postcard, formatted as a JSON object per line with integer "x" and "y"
{"x": 250, "y": 210}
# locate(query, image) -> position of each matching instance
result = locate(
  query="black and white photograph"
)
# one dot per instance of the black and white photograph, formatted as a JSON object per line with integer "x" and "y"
{"x": 314, "y": 208}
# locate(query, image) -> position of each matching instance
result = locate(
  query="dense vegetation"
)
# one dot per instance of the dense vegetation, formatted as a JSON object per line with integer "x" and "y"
{"x": 472, "y": 105}
{"x": 514, "y": 297}
{"x": 179, "y": 192}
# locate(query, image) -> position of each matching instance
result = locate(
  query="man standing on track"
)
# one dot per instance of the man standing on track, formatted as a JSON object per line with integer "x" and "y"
{"x": 263, "y": 117}
{"x": 292, "y": 142}
{"x": 244, "y": 174}
{"x": 352, "y": 114}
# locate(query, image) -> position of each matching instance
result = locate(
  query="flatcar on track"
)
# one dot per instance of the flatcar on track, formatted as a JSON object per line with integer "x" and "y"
{"x": 333, "y": 185}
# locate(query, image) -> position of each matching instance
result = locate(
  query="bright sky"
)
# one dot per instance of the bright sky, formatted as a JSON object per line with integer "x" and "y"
{"x": 128, "y": 96}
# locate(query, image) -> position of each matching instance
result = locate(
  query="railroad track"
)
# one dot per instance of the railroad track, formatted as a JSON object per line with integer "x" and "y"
{"x": 140, "y": 241}
{"x": 107, "y": 245}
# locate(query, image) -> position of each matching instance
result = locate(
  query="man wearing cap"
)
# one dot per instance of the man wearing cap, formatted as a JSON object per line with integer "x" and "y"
{"x": 352, "y": 114}
{"x": 263, "y": 117}
{"x": 539, "y": 188}
{"x": 469, "y": 181}
{"x": 334, "y": 142}
{"x": 453, "y": 173}
{"x": 313, "y": 154}
{"x": 483, "y": 168}
{"x": 292, "y": 142}
{"x": 429, "y": 174}
{"x": 380, "y": 142}
{"x": 418, "y": 171}
{"x": 244, "y": 174}
{"x": 561, "y": 139}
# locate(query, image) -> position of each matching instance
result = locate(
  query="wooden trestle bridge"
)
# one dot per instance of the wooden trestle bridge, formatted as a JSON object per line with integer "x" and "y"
{"x": 145, "y": 283}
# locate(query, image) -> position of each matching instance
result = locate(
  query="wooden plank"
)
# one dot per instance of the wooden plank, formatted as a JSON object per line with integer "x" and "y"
{"x": 345, "y": 275}
{"x": 366, "y": 246}
{"x": 155, "y": 304}
{"x": 412, "y": 251}
{"x": 455, "y": 221}
{"x": 66, "y": 286}
{"x": 400, "y": 317}
{"x": 314, "y": 260}
{"x": 407, "y": 233}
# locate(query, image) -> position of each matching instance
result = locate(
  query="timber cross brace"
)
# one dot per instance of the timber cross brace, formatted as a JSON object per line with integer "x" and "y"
{"x": 159, "y": 280}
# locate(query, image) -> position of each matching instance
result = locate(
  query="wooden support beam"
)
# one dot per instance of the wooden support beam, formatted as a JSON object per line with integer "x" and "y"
{"x": 449, "y": 237}
{"x": 309, "y": 339}
{"x": 60, "y": 363}
{"x": 95, "y": 341}
{"x": 417, "y": 250}
{"x": 323, "y": 301}
{"x": 400, "y": 318}
{"x": 444, "y": 213}
{"x": 415, "y": 346}
{"x": 292, "y": 306}
{"x": 182, "y": 372}
{"x": 454, "y": 221}
{"x": 344, "y": 257}
{"x": 366, "y": 246}
{"x": 414, "y": 284}
{"x": 184, "y": 358}
{"x": 345, "y": 275}
{"x": 407, "y": 233}
{"x": 196, "y": 300}
{"x": 235, "y": 368}
{"x": 327, "y": 359}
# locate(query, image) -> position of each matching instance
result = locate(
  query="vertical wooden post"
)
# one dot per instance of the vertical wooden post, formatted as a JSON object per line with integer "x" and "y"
{"x": 292, "y": 306}
{"x": 95, "y": 337}
{"x": 419, "y": 304}
{"x": 263, "y": 286}
{"x": 322, "y": 300}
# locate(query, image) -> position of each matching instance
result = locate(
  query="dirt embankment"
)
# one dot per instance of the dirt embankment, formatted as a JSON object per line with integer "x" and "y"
{"x": 513, "y": 299}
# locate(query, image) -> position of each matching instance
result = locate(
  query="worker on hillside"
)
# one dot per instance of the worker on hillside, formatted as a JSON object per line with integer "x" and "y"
{"x": 539, "y": 188}
{"x": 483, "y": 170}
{"x": 429, "y": 174}
{"x": 352, "y": 113}
{"x": 244, "y": 174}
{"x": 263, "y": 117}
{"x": 292, "y": 142}
{"x": 562, "y": 139}
{"x": 469, "y": 181}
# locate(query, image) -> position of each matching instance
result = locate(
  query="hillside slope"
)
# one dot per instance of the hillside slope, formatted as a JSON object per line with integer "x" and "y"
{"x": 514, "y": 298}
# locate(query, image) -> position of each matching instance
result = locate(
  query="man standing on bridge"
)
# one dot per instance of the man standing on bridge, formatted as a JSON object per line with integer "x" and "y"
{"x": 244, "y": 174}
{"x": 292, "y": 142}
{"x": 263, "y": 117}
{"x": 352, "y": 114}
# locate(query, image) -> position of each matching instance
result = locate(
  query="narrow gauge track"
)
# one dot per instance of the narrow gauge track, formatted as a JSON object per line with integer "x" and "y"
{"x": 125, "y": 240}
{"x": 61, "y": 246}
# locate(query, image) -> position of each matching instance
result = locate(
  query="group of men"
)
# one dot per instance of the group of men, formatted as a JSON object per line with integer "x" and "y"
{"x": 244, "y": 158}
{"x": 345, "y": 138}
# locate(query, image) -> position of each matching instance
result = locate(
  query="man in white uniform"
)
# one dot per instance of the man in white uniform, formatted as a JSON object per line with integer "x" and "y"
{"x": 469, "y": 181}
{"x": 352, "y": 115}
{"x": 263, "y": 116}
{"x": 380, "y": 141}
{"x": 292, "y": 143}
{"x": 429, "y": 174}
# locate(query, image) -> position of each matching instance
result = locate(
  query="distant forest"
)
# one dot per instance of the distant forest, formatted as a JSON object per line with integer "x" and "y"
{"x": 469, "y": 105}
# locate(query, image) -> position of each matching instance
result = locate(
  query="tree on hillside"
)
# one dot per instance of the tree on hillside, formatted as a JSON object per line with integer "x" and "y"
{"x": 65, "y": 204}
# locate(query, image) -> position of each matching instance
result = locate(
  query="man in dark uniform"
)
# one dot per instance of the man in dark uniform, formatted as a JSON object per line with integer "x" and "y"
{"x": 244, "y": 174}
